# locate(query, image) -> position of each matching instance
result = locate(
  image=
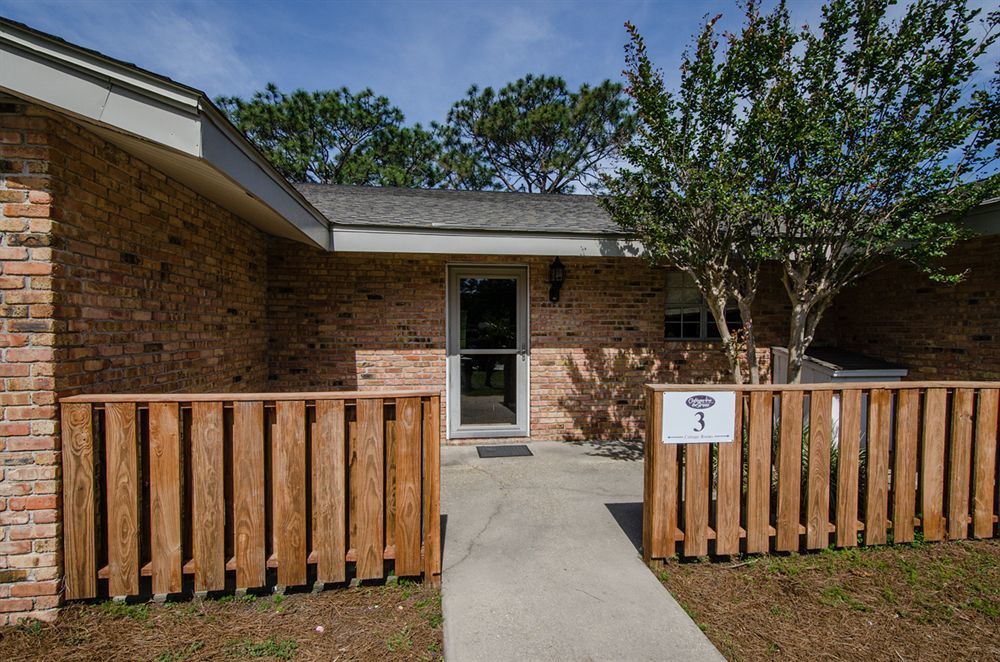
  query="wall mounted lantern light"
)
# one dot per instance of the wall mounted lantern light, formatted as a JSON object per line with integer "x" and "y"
{"x": 557, "y": 276}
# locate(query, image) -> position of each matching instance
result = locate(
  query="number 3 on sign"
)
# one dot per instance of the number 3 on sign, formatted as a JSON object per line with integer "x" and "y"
{"x": 698, "y": 417}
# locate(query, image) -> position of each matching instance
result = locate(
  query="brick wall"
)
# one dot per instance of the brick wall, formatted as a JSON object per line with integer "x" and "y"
{"x": 29, "y": 501}
{"x": 369, "y": 321}
{"x": 112, "y": 278}
{"x": 936, "y": 331}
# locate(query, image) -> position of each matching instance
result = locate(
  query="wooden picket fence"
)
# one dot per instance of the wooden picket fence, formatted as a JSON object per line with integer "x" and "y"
{"x": 224, "y": 487}
{"x": 903, "y": 458}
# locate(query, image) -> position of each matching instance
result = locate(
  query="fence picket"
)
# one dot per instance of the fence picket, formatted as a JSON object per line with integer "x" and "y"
{"x": 367, "y": 484}
{"x": 932, "y": 464}
{"x": 165, "y": 496}
{"x": 904, "y": 473}
{"x": 759, "y": 472}
{"x": 123, "y": 499}
{"x": 207, "y": 457}
{"x": 818, "y": 499}
{"x": 289, "y": 495}
{"x": 848, "y": 467}
{"x": 877, "y": 496}
{"x": 789, "y": 472}
{"x": 248, "y": 494}
{"x": 696, "y": 488}
{"x": 661, "y": 489}
{"x": 407, "y": 523}
{"x": 78, "y": 501}
{"x": 329, "y": 492}
{"x": 727, "y": 501}
{"x": 960, "y": 463}
{"x": 389, "y": 490}
{"x": 985, "y": 462}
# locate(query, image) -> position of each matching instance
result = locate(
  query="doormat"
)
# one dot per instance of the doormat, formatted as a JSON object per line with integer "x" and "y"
{"x": 503, "y": 451}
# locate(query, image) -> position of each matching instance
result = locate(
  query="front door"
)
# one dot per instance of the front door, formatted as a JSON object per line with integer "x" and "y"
{"x": 487, "y": 352}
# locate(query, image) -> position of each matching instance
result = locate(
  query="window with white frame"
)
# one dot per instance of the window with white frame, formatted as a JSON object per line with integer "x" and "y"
{"x": 687, "y": 315}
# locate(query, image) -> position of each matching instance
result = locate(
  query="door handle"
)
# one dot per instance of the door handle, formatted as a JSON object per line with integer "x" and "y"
{"x": 523, "y": 351}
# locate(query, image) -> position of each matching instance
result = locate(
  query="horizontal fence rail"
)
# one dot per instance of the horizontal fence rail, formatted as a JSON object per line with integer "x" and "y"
{"x": 816, "y": 465}
{"x": 235, "y": 491}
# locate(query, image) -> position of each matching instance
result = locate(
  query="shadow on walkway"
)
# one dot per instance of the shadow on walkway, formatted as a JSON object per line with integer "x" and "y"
{"x": 627, "y": 450}
{"x": 629, "y": 518}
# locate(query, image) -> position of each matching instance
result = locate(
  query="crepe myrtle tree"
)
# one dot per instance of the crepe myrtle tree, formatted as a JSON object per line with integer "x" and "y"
{"x": 534, "y": 135}
{"x": 685, "y": 189}
{"x": 863, "y": 140}
{"x": 877, "y": 134}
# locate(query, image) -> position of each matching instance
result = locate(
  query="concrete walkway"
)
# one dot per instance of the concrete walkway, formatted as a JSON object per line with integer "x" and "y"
{"x": 541, "y": 560}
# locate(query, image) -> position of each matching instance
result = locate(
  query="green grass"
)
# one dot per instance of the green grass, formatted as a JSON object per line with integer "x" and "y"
{"x": 400, "y": 641}
{"x": 247, "y": 648}
{"x": 31, "y": 626}
{"x": 138, "y": 612}
{"x": 838, "y": 595}
{"x": 275, "y": 601}
{"x": 430, "y": 609}
{"x": 246, "y": 598}
{"x": 182, "y": 654}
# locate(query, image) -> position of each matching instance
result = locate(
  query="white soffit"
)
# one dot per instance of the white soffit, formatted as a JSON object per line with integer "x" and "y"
{"x": 170, "y": 126}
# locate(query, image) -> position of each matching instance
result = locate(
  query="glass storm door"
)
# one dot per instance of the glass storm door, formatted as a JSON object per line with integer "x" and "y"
{"x": 487, "y": 352}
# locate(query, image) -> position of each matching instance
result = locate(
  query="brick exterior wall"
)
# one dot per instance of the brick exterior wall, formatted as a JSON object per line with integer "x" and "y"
{"x": 939, "y": 332}
{"x": 113, "y": 277}
{"x": 372, "y": 321}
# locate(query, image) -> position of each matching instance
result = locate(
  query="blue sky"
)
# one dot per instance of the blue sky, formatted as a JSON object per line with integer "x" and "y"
{"x": 423, "y": 55}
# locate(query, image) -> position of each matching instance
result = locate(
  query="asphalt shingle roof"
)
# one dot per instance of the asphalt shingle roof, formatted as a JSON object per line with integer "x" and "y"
{"x": 460, "y": 210}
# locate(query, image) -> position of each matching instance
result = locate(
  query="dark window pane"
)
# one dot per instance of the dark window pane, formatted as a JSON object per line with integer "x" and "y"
{"x": 732, "y": 322}
{"x": 681, "y": 289}
{"x": 489, "y": 389}
{"x": 488, "y": 313}
{"x": 692, "y": 330}
{"x": 683, "y": 323}
{"x": 673, "y": 330}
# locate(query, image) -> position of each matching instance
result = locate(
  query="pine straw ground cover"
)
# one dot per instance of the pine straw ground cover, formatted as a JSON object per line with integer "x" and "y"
{"x": 390, "y": 622}
{"x": 926, "y": 601}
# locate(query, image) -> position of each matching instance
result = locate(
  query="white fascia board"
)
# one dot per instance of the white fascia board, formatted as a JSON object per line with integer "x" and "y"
{"x": 361, "y": 239}
{"x": 90, "y": 94}
{"x": 101, "y": 67}
{"x": 221, "y": 150}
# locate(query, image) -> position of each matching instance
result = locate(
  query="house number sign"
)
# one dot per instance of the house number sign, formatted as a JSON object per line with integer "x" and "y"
{"x": 698, "y": 417}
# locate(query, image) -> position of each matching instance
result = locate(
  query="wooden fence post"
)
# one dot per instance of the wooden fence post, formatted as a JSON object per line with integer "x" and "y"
{"x": 432, "y": 490}
{"x": 660, "y": 507}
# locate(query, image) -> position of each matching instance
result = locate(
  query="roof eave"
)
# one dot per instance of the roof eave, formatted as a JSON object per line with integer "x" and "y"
{"x": 177, "y": 119}
{"x": 455, "y": 241}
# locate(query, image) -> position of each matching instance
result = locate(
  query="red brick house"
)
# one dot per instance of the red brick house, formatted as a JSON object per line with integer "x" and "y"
{"x": 148, "y": 247}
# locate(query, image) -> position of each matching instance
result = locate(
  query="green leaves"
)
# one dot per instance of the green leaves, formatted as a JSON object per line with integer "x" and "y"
{"x": 337, "y": 137}
{"x": 535, "y": 134}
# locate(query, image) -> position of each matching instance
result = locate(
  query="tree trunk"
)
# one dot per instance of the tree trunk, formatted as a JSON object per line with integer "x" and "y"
{"x": 797, "y": 342}
{"x": 747, "y": 316}
{"x": 729, "y": 343}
